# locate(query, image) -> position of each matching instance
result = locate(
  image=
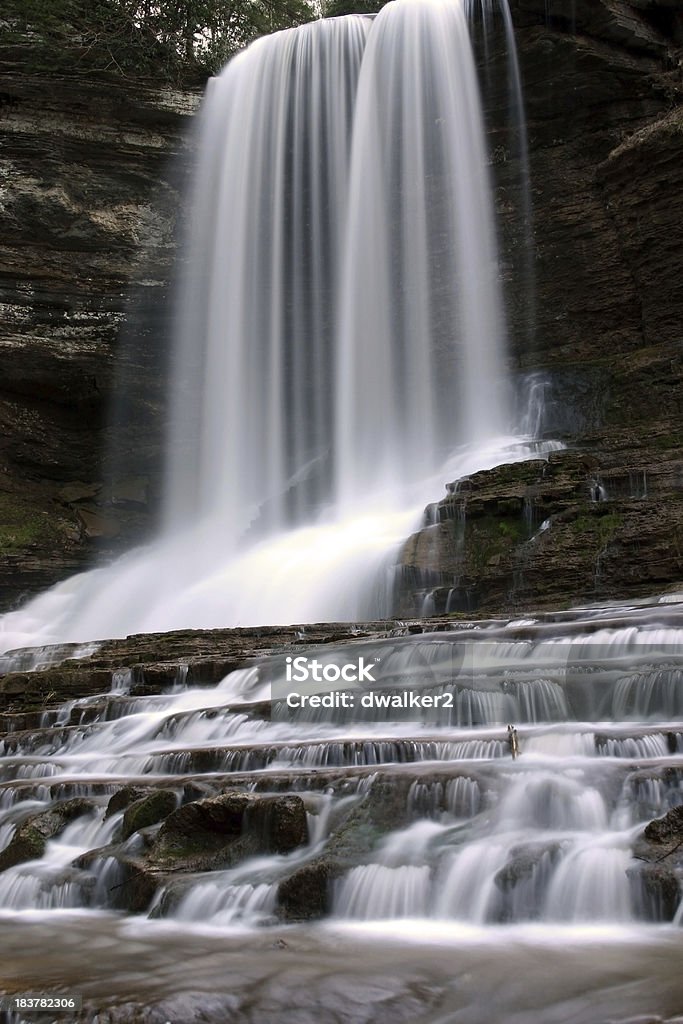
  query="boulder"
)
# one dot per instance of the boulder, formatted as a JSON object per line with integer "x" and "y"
{"x": 148, "y": 811}
{"x": 222, "y": 830}
{"x": 666, "y": 831}
{"x": 305, "y": 895}
{"x": 122, "y": 798}
{"x": 31, "y": 837}
{"x": 657, "y": 891}
{"x": 658, "y": 876}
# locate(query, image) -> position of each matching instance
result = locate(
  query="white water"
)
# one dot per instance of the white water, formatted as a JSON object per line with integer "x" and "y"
{"x": 340, "y": 349}
{"x": 558, "y": 823}
{"x": 479, "y": 857}
{"x": 500, "y": 889}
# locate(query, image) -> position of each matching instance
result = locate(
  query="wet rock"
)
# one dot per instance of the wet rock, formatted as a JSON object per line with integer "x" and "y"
{"x": 223, "y": 830}
{"x": 306, "y": 895}
{"x": 525, "y": 862}
{"x": 657, "y": 891}
{"x": 523, "y": 880}
{"x": 86, "y": 173}
{"x": 120, "y": 876}
{"x": 479, "y": 556}
{"x": 156, "y": 661}
{"x": 31, "y": 837}
{"x": 666, "y": 831}
{"x": 279, "y": 823}
{"x": 381, "y": 810}
{"x": 149, "y": 810}
{"x": 95, "y": 524}
{"x": 137, "y": 888}
{"x": 659, "y": 875}
{"x": 122, "y": 798}
{"x": 133, "y": 886}
{"x": 643, "y": 179}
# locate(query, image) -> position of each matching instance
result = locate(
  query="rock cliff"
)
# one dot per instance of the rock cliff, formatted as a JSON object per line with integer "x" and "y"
{"x": 593, "y": 266}
{"x": 89, "y": 175}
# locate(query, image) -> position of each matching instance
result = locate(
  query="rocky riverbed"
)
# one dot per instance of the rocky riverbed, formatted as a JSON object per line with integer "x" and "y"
{"x": 229, "y": 856}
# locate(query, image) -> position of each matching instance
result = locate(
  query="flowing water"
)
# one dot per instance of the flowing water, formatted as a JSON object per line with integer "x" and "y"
{"x": 477, "y": 888}
{"x": 341, "y": 356}
{"x": 340, "y": 350}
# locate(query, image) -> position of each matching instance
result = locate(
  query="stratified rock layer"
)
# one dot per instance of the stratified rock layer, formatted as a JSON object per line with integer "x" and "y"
{"x": 89, "y": 177}
{"x": 593, "y": 270}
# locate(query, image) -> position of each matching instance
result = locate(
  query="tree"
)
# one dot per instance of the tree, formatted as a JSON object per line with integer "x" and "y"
{"x": 337, "y": 8}
{"x": 167, "y": 38}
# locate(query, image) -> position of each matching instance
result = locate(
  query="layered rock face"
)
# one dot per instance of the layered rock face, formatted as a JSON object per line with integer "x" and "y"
{"x": 602, "y": 253}
{"x": 593, "y": 269}
{"x": 89, "y": 178}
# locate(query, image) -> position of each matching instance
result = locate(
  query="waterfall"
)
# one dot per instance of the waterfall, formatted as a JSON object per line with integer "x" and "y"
{"x": 341, "y": 327}
{"x": 253, "y": 403}
{"x": 340, "y": 355}
{"x": 340, "y": 337}
{"x": 421, "y": 326}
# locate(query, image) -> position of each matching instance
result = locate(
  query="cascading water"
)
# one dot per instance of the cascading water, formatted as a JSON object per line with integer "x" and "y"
{"x": 421, "y": 342}
{"x": 339, "y": 336}
{"x": 256, "y": 346}
{"x": 340, "y": 350}
{"x": 427, "y": 850}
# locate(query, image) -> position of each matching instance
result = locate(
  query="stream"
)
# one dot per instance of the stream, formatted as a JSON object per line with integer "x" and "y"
{"x": 461, "y": 884}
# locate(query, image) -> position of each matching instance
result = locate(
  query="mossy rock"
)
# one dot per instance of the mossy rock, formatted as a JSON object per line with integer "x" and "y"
{"x": 307, "y": 894}
{"x": 490, "y": 538}
{"x": 667, "y": 830}
{"x": 148, "y": 811}
{"x": 602, "y": 528}
{"x": 524, "y": 861}
{"x": 221, "y": 831}
{"x": 31, "y": 837}
{"x": 22, "y": 527}
{"x": 658, "y": 889}
{"x": 123, "y": 798}
{"x": 659, "y": 847}
{"x": 383, "y": 809}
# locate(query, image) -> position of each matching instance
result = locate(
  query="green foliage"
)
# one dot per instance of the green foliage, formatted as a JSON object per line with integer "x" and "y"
{"x": 602, "y": 527}
{"x": 513, "y": 530}
{"x": 174, "y": 40}
{"x": 488, "y": 538}
{"x": 337, "y": 8}
{"x": 21, "y": 526}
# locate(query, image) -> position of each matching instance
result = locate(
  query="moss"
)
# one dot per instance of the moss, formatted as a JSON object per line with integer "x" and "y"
{"x": 602, "y": 528}
{"x": 491, "y": 537}
{"x": 221, "y": 831}
{"x": 22, "y": 526}
{"x": 609, "y": 525}
{"x": 27, "y": 844}
{"x": 30, "y": 839}
{"x": 583, "y": 524}
{"x": 512, "y": 530}
{"x": 147, "y": 811}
